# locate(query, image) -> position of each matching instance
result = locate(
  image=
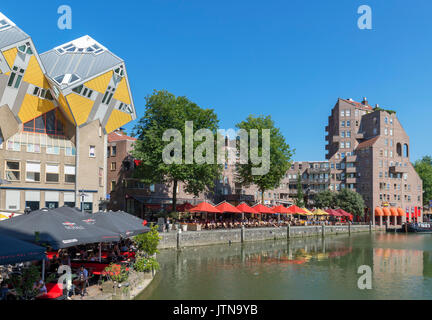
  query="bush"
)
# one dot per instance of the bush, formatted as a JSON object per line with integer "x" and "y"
{"x": 148, "y": 242}
{"x": 116, "y": 272}
{"x": 143, "y": 264}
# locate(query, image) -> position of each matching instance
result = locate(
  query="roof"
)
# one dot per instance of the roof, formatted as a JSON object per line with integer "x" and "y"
{"x": 358, "y": 104}
{"x": 118, "y": 136}
{"x": 9, "y": 32}
{"x": 84, "y": 57}
{"x": 367, "y": 143}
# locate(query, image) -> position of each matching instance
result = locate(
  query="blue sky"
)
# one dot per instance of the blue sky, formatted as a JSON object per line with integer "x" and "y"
{"x": 291, "y": 59}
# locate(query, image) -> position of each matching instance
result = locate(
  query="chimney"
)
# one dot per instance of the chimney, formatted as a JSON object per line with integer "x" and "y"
{"x": 365, "y": 102}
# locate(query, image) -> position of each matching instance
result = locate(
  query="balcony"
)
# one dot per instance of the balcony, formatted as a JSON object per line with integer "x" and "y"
{"x": 318, "y": 170}
{"x": 336, "y": 138}
{"x": 351, "y": 180}
{"x": 351, "y": 170}
{"x": 352, "y": 158}
{"x": 327, "y": 128}
{"x": 398, "y": 169}
{"x": 359, "y": 135}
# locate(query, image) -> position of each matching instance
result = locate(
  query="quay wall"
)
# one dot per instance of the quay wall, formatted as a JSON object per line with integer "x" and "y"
{"x": 176, "y": 239}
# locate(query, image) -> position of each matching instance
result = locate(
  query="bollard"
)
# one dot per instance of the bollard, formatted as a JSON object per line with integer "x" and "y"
{"x": 370, "y": 227}
{"x": 242, "y": 234}
{"x": 178, "y": 239}
{"x": 349, "y": 228}
{"x": 323, "y": 230}
{"x": 288, "y": 231}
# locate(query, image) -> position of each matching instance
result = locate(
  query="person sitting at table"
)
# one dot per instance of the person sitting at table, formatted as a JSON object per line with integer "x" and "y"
{"x": 65, "y": 259}
{"x": 40, "y": 287}
{"x": 124, "y": 247}
{"x": 112, "y": 256}
{"x": 92, "y": 257}
{"x": 117, "y": 250}
{"x": 82, "y": 279}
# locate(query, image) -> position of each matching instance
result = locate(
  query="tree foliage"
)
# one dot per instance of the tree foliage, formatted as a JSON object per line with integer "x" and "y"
{"x": 346, "y": 199}
{"x": 350, "y": 201}
{"x": 165, "y": 111}
{"x": 148, "y": 242}
{"x": 280, "y": 155}
{"x": 325, "y": 199}
{"x": 424, "y": 170}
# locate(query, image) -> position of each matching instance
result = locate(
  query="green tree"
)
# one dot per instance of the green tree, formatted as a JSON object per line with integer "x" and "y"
{"x": 280, "y": 155}
{"x": 325, "y": 199}
{"x": 299, "y": 199}
{"x": 164, "y": 111}
{"x": 350, "y": 201}
{"x": 424, "y": 170}
{"x": 148, "y": 242}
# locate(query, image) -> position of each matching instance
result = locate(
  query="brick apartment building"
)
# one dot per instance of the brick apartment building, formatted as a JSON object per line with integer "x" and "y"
{"x": 367, "y": 151}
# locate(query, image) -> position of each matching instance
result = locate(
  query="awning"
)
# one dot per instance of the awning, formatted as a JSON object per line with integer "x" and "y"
{"x": 205, "y": 207}
{"x": 394, "y": 212}
{"x": 319, "y": 212}
{"x": 13, "y": 251}
{"x": 296, "y": 210}
{"x": 308, "y": 212}
{"x": 334, "y": 213}
{"x": 379, "y": 212}
{"x": 401, "y": 212}
{"x": 243, "y": 207}
{"x": 387, "y": 212}
{"x": 260, "y": 208}
{"x": 226, "y": 207}
{"x": 280, "y": 209}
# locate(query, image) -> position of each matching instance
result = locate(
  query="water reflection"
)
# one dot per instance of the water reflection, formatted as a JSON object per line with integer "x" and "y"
{"x": 305, "y": 268}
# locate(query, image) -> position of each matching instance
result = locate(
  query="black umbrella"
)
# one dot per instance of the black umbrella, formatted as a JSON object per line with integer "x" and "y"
{"x": 56, "y": 229}
{"x": 121, "y": 222}
{"x": 14, "y": 251}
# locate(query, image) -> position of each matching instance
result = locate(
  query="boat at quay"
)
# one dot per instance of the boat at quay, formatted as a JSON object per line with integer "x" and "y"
{"x": 420, "y": 227}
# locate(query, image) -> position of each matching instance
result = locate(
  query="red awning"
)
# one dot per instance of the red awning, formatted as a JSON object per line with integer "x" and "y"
{"x": 334, "y": 213}
{"x": 387, "y": 212}
{"x": 378, "y": 212}
{"x": 204, "y": 207}
{"x": 280, "y": 209}
{"x": 346, "y": 214}
{"x": 226, "y": 207}
{"x": 401, "y": 212}
{"x": 243, "y": 207}
{"x": 394, "y": 212}
{"x": 263, "y": 209}
{"x": 295, "y": 210}
{"x": 181, "y": 207}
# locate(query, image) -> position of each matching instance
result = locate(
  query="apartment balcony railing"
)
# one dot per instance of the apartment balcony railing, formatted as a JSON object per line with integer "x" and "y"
{"x": 359, "y": 135}
{"x": 398, "y": 169}
{"x": 351, "y": 170}
{"x": 352, "y": 158}
{"x": 351, "y": 180}
{"x": 336, "y": 138}
{"x": 318, "y": 170}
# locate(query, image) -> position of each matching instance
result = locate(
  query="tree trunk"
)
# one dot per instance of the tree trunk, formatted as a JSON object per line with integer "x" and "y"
{"x": 262, "y": 197}
{"x": 174, "y": 196}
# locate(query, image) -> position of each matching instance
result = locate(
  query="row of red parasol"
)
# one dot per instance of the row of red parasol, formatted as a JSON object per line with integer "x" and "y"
{"x": 225, "y": 207}
{"x": 339, "y": 213}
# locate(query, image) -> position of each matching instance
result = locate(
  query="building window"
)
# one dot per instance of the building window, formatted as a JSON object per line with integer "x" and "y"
{"x": 152, "y": 188}
{"x": 33, "y": 147}
{"x": 13, "y": 146}
{"x": 70, "y": 151}
{"x": 12, "y": 172}
{"x": 69, "y": 172}
{"x": 348, "y": 113}
{"x": 48, "y": 123}
{"x": 83, "y": 91}
{"x": 13, "y": 199}
{"x": 69, "y": 199}
{"x": 108, "y": 151}
{"x": 348, "y": 123}
{"x": 348, "y": 145}
{"x": 15, "y": 77}
{"x": 113, "y": 166}
{"x": 51, "y": 199}
{"x": 113, "y": 185}
{"x": 33, "y": 171}
{"x": 108, "y": 95}
{"x": 52, "y": 173}
{"x": 113, "y": 151}
{"x": 92, "y": 151}
{"x": 52, "y": 150}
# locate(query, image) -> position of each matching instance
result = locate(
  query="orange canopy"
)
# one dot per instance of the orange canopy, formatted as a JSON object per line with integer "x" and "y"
{"x": 401, "y": 212}
{"x": 280, "y": 209}
{"x": 378, "y": 212}
{"x": 296, "y": 210}
{"x": 262, "y": 209}
{"x": 243, "y": 207}
{"x": 205, "y": 207}
{"x": 394, "y": 212}
{"x": 387, "y": 212}
{"x": 226, "y": 207}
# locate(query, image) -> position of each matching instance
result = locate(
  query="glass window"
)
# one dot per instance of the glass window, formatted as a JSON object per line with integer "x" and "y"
{"x": 52, "y": 173}
{"x": 92, "y": 151}
{"x": 33, "y": 171}
{"x": 12, "y": 171}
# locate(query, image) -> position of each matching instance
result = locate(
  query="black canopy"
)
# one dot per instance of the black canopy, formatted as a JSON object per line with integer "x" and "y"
{"x": 56, "y": 229}
{"x": 14, "y": 251}
{"x": 120, "y": 222}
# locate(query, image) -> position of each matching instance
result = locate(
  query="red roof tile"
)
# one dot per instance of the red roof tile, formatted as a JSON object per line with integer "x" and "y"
{"x": 358, "y": 104}
{"x": 118, "y": 136}
{"x": 367, "y": 143}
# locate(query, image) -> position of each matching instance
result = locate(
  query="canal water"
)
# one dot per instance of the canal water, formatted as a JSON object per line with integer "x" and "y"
{"x": 306, "y": 268}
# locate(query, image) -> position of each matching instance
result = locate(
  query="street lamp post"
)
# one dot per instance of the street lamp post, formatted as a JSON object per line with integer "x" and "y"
{"x": 82, "y": 195}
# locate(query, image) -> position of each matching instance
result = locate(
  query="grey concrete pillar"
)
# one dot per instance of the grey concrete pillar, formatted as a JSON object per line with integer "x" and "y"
{"x": 381, "y": 221}
{"x": 349, "y": 228}
{"x": 323, "y": 230}
{"x": 370, "y": 226}
{"x": 288, "y": 231}
{"x": 242, "y": 234}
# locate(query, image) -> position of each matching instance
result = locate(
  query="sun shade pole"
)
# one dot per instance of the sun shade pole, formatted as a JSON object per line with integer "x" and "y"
{"x": 100, "y": 251}
{"x": 43, "y": 269}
